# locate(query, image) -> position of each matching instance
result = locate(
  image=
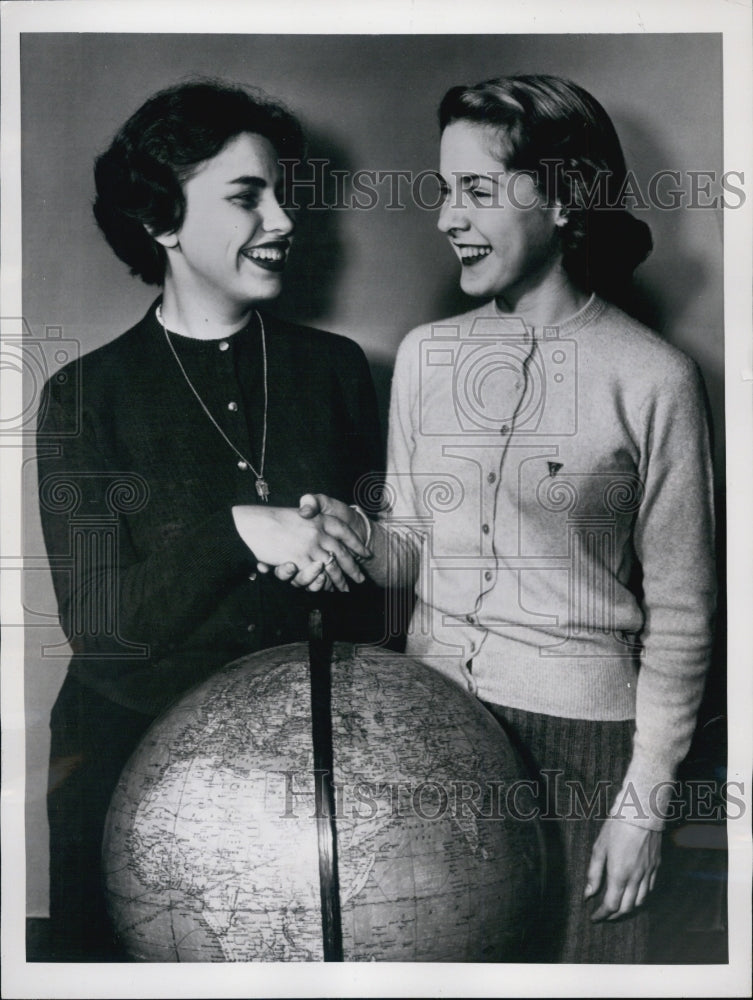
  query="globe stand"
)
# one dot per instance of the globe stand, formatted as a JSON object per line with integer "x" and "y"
{"x": 320, "y": 663}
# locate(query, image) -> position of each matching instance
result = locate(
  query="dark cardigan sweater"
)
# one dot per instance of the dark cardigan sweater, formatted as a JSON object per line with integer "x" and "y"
{"x": 154, "y": 585}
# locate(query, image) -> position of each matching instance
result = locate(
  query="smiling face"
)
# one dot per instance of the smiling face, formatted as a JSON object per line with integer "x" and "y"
{"x": 506, "y": 238}
{"x": 232, "y": 246}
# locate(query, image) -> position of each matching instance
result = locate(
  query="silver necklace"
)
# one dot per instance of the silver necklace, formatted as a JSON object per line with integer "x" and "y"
{"x": 262, "y": 487}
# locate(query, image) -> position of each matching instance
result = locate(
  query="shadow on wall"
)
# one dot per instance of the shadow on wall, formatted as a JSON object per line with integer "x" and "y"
{"x": 674, "y": 272}
{"x": 317, "y": 259}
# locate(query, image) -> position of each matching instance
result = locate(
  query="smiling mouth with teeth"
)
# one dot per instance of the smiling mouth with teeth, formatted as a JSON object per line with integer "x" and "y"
{"x": 472, "y": 254}
{"x": 269, "y": 256}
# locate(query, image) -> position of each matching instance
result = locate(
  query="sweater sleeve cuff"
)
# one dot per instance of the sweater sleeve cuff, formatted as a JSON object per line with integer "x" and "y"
{"x": 218, "y": 550}
{"x": 648, "y": 796}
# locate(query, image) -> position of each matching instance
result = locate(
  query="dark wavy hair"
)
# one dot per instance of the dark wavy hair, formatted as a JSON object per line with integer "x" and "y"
{"x": 139, "y": 177}
{"x": 562, "y": 136}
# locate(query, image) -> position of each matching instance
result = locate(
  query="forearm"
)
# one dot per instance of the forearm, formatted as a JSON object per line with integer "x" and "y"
{"x": 396, "y": 556}
{"x": 666, "y": 709}
{"x": 108, "y": 596}
{"x": 674, "y": 541}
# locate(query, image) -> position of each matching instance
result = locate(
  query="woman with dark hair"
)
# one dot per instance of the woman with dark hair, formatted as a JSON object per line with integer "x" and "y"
{"x": 549, "y": 497}
{"x": 171, "y": 459}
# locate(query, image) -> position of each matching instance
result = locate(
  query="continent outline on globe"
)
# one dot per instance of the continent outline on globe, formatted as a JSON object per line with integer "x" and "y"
{"x": 210, "y": 849}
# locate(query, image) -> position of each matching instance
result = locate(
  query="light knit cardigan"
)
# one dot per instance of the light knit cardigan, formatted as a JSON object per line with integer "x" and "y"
{"x": 556, "y": 487}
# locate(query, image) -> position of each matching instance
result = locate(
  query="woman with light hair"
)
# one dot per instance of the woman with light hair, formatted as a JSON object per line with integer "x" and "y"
{"x": 549, "y": 498}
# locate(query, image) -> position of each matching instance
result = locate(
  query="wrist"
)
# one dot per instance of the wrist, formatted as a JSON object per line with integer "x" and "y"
{"x": 365, "y": 523}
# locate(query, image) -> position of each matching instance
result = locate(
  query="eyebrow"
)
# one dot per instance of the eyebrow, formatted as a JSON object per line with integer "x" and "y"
{"x": 469, "y": 178}
{"x": 249, "y": 181}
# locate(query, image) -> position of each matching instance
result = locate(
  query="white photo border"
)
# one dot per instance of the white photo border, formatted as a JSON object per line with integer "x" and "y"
{"x": 419, "y": 17}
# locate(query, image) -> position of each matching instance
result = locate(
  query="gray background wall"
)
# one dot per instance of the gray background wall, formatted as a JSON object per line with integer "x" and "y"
{"x": 368, "y": 102}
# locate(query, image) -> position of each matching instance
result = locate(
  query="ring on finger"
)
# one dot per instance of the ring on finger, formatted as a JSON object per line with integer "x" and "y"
{"x": 332, "y": 559}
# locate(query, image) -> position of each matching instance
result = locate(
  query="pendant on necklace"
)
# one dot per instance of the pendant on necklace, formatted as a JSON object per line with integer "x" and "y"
{"x": 262, "y": 489}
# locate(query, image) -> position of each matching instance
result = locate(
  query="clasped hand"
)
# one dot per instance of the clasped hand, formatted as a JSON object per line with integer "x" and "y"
{"x": 314, "y": 546}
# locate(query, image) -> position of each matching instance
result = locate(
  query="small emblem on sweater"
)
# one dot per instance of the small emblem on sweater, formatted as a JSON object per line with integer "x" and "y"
{"x": 554, "y": 468}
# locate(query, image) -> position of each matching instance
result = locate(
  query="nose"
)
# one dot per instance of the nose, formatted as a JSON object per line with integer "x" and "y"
{"x": 452, "y": 214}
{"x": 276, "y": 218}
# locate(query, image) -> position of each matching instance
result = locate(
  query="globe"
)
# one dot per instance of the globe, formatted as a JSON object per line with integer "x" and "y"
{"x": 211, "y": 852}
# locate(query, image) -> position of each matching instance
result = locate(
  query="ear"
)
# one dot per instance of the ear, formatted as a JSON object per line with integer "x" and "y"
{"x": 168, "y": 240}
{"x": 561, "y": 216}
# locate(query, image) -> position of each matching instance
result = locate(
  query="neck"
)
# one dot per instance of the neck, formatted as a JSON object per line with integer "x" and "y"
{"x": 194, "y": 316}
{"x": 549, "y": 303}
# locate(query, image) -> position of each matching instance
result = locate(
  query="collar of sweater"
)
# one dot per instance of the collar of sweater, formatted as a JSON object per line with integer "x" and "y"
{"x": 585, "y": 315}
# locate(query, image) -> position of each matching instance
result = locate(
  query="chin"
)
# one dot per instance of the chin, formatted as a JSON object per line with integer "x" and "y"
{"x": 266, "y": 292}
{"x": 478, "y": 289}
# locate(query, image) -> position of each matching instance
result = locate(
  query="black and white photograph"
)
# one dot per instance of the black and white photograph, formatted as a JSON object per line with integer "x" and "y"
{"x": 377, "y": 467}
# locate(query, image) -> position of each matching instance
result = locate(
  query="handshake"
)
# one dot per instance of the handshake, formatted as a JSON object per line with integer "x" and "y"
{"x": 318, "y": 546}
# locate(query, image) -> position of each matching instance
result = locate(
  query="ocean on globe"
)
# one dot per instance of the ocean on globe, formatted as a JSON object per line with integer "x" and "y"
{"x": 210, "y": 849}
